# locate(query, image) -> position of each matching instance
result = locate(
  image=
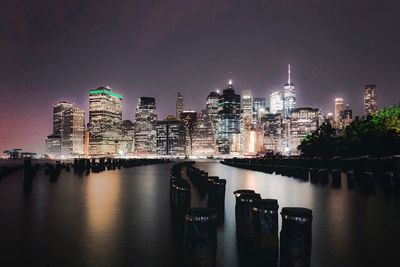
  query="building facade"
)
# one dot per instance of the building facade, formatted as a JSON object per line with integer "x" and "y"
{"x": 203, "y": 139}
{"x": 276, "y": 102}
{"x": 105, "y": 121}
{"x": 339, "y": 107}
{"x": 68, "y": 130}
{"x": 146, "y": 126}
{"x": 179, "y": 105}
{"x": 289, "y": 96}
{"x": 228, "y": 129}
{"x": 171, "y": 138}
{"x": 370, "y": 99}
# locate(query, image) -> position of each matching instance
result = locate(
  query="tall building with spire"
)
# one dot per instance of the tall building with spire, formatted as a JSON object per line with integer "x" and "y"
{"x": 289, "y": 95}
{"x": 228, "y": 130}
{"x": 179, "y": 105}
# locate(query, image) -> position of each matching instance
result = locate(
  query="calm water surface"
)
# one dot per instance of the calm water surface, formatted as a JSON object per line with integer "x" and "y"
{"x": 121, "y": 218}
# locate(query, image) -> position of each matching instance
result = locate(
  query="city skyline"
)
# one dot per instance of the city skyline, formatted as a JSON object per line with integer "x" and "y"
{"x": 57, "y": 52}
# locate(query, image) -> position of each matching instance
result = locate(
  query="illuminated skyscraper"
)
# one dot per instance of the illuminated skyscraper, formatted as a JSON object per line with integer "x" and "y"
{"x": 247, "y": 108}
{"x": 68, "y": 130}
{"x": 370, "y": 99}
{"x": 105, "y": 121}
{"x": 146, "y": 126}
{"x": 189, "y": 118}
{"x": 289, "y": 96}
{"x": 276, "y": 102}
{"x": 179, "y": 105}
{"x": 203, "y": 138}
{"x": 303, "y": 121}
{"x": 171, "y": 138}
{"x": 339, "y": 107}
{"x": 346, "y": 117}
{"x": 229, "y": 120}
{"x": 259, "y": 108}
{"x": 212, "y": 109}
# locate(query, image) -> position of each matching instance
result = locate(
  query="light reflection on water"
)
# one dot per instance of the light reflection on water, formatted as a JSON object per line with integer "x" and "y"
{"x": 121, "y": 218}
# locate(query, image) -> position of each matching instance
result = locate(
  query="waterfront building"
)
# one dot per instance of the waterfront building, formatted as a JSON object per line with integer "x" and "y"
{"x": 189, "y": 118}
{"x": 370, "y": 99}
{"x": 105, "y": 121}
{"x": 228, "y": 120}
{"x": 68, "y": 130}
{"x": 146, "y": 126}
{"x": 179, "y": 105}
{"x": 276, "y": 102}
{"x": 127, "y": 142}
{"x": 171, "y": 138}
{"x": 253, "y": 141}
{"x": 303, "y": 121}
{"x": 339, "y": 107}
{"x": 289, "y": 96}
{"x": 203, "y": 139}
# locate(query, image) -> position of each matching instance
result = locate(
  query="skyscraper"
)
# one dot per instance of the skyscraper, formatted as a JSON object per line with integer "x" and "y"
{"x": 68, "y": 130}
{"x": 229, "y": 120}
{"x": 276, "y": 102}
{"x": 247, "y": 108}
{"x": 189, "y": 118}
{"x": 146, "y": 126}
{"x": 212, "y": 109}
{"x": 346, "y": 117}
{"x": 203, "y": 139}
{"x": 105, "y": 121}
{"x": 179, "y": 105}
{"x": 370, "y": 99}
{"x": 171, "y": 138}
{"x": 339, "y": 107}
{"x": 289, "y": 96}
{"x": 259, "y": 108}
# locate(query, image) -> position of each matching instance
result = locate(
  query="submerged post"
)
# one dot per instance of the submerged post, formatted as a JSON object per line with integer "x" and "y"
{"x": 216, "y": 197}
{"x": 265, "y": 218}
{"x": 295, "y": 246}
{"x": 200, "y": 239}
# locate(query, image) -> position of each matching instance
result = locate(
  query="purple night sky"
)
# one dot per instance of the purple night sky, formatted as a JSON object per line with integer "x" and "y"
{"x": 58, "y": 50}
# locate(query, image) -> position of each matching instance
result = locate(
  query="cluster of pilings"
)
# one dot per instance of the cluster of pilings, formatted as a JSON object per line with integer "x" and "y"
{"x": 360, "y": 173}
{"x": 82, "y": 165}
{"x": 8, "y": 170}
{"x": 212, "y": 186}
{"x": 257, "y": 232}
{"x": 196, "y": 227}
{"x": 30, "y": 172}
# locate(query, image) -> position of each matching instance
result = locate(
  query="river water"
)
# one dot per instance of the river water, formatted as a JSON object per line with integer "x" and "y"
{"x": 122, "y": 218}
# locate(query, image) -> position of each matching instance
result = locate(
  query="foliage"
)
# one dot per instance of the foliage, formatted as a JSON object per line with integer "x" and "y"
{"x": 375, "y": 135}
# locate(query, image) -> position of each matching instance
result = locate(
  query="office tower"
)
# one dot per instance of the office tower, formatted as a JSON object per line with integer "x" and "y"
{"x": 68, "y": 130}
{"x": 273, "y": 132}
{"x": 179, "y": 105}
{"x": 171, "y": 138}
{"x": 146, "y": 126}
{"x": 339, "y": 107}
{"x": 346, "y": 117}
{"x": 228, "y": 127}
{"x": 212, "y": 108}
{"x": 189, "y": 118}
{"x": 370, "y": 99}
{"x": 259, "y": 108}
{"x": 105, "y": 119}
{"x": 303, "y": 121}
{"x": 253, "y": 141}
{"x": 247, "y": 108}
{"x": 276, "y": 102}
{"x": 289, "y": 96}
{"x": 203, "y": 139}
{"x": 126, "y": 143}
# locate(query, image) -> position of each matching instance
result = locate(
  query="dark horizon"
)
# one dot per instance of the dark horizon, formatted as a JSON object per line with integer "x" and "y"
{"x": 53, "y": 51}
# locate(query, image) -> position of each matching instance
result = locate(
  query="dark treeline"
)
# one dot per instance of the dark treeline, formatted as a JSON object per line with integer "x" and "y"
{"x": 375, "y": 135}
